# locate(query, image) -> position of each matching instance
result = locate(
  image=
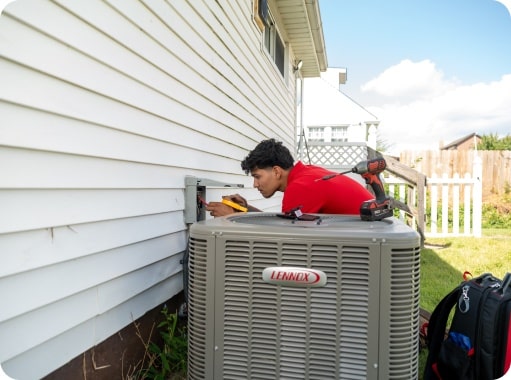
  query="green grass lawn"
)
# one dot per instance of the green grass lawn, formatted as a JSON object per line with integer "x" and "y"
{"x": 443, "y": 261}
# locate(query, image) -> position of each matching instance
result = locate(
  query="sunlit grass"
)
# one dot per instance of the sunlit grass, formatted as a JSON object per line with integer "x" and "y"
{"x": 497, "y": 232}
{"x": 444, "y": 260}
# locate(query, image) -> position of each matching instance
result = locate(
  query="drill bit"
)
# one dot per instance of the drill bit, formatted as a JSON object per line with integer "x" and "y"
{"x": 327, "y": 177}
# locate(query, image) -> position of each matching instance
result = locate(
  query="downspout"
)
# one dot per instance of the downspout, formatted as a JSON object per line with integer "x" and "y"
{"x": 301, "y": 127}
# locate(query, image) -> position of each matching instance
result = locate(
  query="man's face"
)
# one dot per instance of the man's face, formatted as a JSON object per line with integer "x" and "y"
{"x": 267, "y": 180}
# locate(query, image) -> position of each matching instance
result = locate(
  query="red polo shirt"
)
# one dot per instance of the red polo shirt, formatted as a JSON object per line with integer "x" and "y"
{"x": 338, "y": 195}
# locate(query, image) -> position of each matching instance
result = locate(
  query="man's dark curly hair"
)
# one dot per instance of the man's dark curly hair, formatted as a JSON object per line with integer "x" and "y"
{"x": 267, "y": 154}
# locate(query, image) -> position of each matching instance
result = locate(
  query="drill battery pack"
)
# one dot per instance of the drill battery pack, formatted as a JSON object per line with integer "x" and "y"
{"x": 376, "y": 210}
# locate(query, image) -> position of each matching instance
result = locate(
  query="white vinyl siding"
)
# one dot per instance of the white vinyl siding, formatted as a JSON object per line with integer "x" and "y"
{"x": 105, "y": 107}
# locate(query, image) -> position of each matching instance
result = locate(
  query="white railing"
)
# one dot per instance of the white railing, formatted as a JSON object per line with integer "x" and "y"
{"x": 445, "y": 197}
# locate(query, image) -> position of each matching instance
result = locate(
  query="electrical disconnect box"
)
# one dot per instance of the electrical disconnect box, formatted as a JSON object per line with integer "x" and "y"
{"x": 195, "y": 190}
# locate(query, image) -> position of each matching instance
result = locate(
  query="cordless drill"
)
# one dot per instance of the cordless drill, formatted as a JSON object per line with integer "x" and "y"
{"x": 380, "y": 207}
{"x": 374, "y": 209}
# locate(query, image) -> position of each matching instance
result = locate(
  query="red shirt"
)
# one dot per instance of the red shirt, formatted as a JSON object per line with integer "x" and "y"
{"x": 338, "y": 195}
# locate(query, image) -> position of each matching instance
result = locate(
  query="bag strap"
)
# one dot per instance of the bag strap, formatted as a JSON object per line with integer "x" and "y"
{"x": 436, "y": 330}
{"x": 506, "y": 284}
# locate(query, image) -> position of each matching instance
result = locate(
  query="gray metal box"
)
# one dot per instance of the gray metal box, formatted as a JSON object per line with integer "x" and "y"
{"x": 361, "y": 324}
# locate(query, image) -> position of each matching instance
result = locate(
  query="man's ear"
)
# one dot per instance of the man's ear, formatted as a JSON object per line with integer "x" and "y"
{"x": 277, "y": 171}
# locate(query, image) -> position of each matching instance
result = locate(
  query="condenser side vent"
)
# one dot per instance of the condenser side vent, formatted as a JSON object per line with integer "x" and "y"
{"x": 404, "y": 301}
{"x": 354, "y": 315}
{"x": 197, "y": 308}
{"x": 264, "y": 330}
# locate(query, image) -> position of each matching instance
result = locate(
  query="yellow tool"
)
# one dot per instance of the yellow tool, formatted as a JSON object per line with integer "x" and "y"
{"x": 234, "y": 205}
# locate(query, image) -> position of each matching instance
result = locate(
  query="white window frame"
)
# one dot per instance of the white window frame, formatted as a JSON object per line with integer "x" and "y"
{"x": 316, "y": 133}
{"x": 340, "y": 133}
{"x": 272, "y": 41}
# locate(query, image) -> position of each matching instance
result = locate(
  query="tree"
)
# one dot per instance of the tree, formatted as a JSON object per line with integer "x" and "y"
{"x": 493, "y": 142}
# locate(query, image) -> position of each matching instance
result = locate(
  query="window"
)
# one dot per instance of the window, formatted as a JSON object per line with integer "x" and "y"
{"x": 339, "y": 133}
{"x": 272, "y": 40}
{"x": 316, "y": 133}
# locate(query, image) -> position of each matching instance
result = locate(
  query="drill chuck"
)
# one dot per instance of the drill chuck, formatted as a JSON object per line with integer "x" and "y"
{"x": 374, "y": 166}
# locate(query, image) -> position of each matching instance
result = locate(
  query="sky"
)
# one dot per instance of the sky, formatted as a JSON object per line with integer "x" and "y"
{"x": 432, "y": 71}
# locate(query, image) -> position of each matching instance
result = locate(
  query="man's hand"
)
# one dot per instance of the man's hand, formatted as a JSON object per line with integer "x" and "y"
{"x": 219, "y": 209}
{"x": 236, "y": 198}
{"x": 241, "y": 201}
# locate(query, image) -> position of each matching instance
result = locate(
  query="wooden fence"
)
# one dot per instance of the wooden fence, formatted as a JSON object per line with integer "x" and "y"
{"x": 496, "y": 166}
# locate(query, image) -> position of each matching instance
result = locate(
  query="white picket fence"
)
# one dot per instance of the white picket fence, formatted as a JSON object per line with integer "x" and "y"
{"x": 446, "y": 195}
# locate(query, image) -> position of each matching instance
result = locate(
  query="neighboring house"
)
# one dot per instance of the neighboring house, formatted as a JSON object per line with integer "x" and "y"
{"x": 335, "y": 130}
{"x": 329, "y": 115}
{"x": 105, "y": 108}
{"x": 465, "y": 143}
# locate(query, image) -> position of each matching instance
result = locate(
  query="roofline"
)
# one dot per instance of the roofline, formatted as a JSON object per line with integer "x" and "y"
{"x": 317, "y": 32}
{"x": 301, "y": 20}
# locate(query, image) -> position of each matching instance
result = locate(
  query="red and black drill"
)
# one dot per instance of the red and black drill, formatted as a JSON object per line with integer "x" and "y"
{"x": 380, "y": 207}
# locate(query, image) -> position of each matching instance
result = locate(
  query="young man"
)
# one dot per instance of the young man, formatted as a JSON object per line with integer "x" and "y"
{"x": 271, "y": 166}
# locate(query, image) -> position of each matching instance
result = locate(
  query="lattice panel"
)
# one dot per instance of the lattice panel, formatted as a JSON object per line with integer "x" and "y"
{"x": 336, "y": 155}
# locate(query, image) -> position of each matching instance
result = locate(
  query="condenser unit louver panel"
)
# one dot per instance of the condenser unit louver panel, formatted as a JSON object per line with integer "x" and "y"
{"x": 361, "y": 324}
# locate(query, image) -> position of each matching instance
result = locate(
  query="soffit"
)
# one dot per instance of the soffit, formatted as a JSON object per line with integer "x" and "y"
{"x": 304, "y": 30}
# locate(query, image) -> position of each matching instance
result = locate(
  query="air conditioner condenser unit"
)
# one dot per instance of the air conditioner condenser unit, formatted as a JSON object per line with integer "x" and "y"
{"x": 274, "y": 298}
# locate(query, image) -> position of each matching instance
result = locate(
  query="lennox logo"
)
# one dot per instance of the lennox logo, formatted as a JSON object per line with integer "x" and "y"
{"x": 294, "y": 276}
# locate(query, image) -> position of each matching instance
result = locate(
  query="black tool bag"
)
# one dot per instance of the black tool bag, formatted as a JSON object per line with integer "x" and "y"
{"x": 477, "y": 345}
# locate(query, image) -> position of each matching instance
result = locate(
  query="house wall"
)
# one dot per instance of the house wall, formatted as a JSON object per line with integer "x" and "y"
{"x": 467, "y": 144}
{"x": 105, "y": 107}
{"x": 464, "y": 145}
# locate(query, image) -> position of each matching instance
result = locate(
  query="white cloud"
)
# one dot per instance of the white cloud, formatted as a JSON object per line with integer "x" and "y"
{"x": 409, "y": 80}
{"x": 507, "y": 4}
{"x": 422, "y": 108}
